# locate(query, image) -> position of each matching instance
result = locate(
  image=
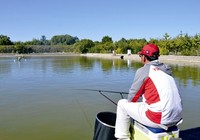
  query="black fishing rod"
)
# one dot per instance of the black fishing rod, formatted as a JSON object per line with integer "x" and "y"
{"x": 108, "y": 91}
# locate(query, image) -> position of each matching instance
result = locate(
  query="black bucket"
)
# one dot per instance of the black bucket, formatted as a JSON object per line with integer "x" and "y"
{"x": 105, "y": 126}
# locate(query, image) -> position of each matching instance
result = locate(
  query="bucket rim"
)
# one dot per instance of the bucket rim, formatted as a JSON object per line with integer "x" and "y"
{"x": 103, "y": 122}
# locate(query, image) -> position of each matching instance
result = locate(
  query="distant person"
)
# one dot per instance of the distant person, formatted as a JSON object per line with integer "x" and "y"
{"x": 19, "y": 58}
{"x": 161, "y": 105}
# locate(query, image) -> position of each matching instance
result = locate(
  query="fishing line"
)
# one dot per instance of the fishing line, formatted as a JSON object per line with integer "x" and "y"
{"x": 85, "y": 115}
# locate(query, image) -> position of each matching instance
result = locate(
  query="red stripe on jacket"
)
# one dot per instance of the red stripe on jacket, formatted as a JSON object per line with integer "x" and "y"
{"x": 154, "y": 116}
{"x": 151, "y": 96}
{"x": 150, "y": 92}
{"x": 138, "y": 94}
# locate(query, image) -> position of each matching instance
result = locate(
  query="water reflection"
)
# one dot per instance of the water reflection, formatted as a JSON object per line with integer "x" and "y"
{"x": 186, "y": 73}
{"x": 5, "y": 66}
{"x": 183, "y": 74}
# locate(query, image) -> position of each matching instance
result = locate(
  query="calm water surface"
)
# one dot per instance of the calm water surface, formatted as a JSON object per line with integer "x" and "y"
{"x": 40, "y": 97}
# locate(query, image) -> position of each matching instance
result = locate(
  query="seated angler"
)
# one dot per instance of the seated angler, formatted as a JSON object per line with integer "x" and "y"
{"x": 161, "y": 104}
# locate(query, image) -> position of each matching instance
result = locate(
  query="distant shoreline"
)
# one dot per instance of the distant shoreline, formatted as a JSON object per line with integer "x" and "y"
{"x": 38, "y": 54}
{"x": 170, "y": 59}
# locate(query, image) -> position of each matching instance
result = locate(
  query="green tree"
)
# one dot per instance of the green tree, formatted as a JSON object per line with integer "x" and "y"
{"x": 167, "y": 36}
{"x": 20, "y": 48}
{"x": 196, "y": 45}
{"x": 5, "y": 40}
{"x": 122, "y": 45}
{"x": 6, "y": 49}
{"x": 136, "y": 45}
{"x": 106, "y": 39}
{"x": 63, "y": 40}
{"x": 96, "y": 49}
{"x": 44, "y": 40}
{"x": 36, "y": 42}
{"x": 84, "y": 45}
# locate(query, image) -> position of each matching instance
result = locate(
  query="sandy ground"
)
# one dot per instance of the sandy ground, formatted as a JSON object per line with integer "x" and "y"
{"x": 170, "y": 59}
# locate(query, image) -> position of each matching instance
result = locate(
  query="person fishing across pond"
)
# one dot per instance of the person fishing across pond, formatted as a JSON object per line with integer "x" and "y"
{"x": 161, "y": 105}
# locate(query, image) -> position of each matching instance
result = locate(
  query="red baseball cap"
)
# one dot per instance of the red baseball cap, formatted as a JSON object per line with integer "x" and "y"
{"x": 150, "y": 50}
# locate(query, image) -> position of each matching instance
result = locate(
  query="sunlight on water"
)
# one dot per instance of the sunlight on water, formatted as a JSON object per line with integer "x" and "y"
{"x": 41, "y": 97}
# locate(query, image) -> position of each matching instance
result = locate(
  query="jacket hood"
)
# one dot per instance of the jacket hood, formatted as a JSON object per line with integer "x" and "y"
{"x": 165, "y": 68}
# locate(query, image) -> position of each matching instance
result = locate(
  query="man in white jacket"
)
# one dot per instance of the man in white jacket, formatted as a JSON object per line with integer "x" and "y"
{"x": 161, "y": 103}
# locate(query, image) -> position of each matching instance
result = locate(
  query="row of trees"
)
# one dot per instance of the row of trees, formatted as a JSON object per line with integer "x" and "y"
{"x": 179, "y": 45}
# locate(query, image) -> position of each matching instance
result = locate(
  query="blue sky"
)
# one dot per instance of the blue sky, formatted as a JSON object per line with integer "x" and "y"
{"x": 24, "y": 20}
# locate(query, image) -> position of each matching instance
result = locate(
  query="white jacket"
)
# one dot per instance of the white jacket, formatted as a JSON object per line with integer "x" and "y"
{"x": 154, "y": 82}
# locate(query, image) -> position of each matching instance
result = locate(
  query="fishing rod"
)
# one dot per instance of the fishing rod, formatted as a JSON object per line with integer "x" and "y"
{"x": 109, "y": 91}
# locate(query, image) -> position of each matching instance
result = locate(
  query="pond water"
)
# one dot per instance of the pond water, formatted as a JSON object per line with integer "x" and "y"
{"x": 42, "y": 97}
